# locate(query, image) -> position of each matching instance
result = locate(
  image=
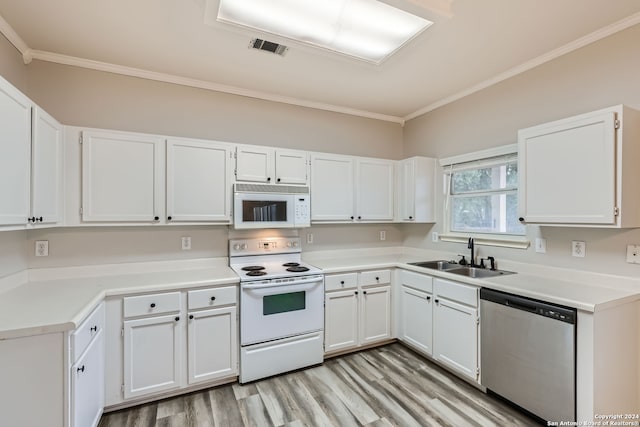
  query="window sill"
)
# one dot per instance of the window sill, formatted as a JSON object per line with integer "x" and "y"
{"x": 502, "y": 242}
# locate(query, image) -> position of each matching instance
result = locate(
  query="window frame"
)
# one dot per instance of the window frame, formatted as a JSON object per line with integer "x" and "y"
{"x": 478, "y": 160}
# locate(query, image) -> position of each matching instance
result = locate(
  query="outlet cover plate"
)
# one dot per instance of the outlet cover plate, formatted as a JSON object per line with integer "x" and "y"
{"x": 42, "y": 248}
{"x": 633, "y": 254}
{"x": 578, "y": 248}
{"x": 186, "y": 243}
{"x": 383, "y": 235}
{"x": 541, "y": 245}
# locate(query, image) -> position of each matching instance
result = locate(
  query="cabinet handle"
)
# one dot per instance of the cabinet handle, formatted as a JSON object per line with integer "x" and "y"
{"x": 351, "y": 217}
{"x": 377, "y": 279}
{"x": 94, "y": 328}
{"x": 521, "y": 219}
{"x": 190, "y": 316}
{"x": 364, "y": 292}
{"x": 278, "y": 179}
{"x": 269, "y": 179}
{"x": 39, "y": 219}
{"x": 356, "y": 293}
{"x": 177, "y": 318}
{"x": 428, "y": 298}
{"x": 359, "y": 217}
{"x": 410, "y": 217}
{"x": 168, "y": 218}
{"x": 81, "y": 369}
{"x": 156, "y": 218}
{"x": 153, "y": 305}
{"x": 342, "y": 282}
{"x": 213, "y": 298}
{"x": 436, "y": 301}
{"x": 32, "y": 219}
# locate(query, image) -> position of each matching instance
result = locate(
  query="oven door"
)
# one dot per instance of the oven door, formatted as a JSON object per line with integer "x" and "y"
{"x": 263, "y": 210}
{"x": 275, "y": 310}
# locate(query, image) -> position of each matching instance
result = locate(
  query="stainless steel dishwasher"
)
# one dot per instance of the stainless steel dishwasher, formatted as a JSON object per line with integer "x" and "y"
{"x": 528, "y": 353}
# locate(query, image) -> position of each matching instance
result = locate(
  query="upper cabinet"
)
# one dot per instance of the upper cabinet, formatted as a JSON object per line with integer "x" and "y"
{"x": 15, "y": 155}
{"x": 581, "y": 171}
{"x": 199, "y": 176}
{"x": 347, "y": 189}
{"x": 122, "y": 177}
{"x": 271, "y": 166}
{"x": 30, "y": 162}
{"x": 416, "y": 190}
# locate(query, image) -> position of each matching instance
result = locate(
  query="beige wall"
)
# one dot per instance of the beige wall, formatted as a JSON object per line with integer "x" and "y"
{"x": 82, "y": 97}
{"x": 599, "y": 75}
{"x": 12, "y": 67}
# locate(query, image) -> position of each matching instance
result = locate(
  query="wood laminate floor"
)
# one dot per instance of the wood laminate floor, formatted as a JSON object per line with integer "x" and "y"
{"x": 385, "y": 386}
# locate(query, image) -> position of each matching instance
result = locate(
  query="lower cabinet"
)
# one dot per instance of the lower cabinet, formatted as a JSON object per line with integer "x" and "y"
{"x": 170, "y": 341}
{"x": 357, "y": 309}
{"x": 439, "y": 318}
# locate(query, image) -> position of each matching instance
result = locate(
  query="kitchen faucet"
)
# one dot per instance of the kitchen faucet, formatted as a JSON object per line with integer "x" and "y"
{"x": 470, "y": 245}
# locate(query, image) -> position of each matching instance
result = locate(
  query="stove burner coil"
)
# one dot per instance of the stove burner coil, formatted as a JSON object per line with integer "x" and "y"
{"x": 256, "y": 273}
{"x": 253, "y": 268}
{"x": 291, "y": 264}
{"x": 297, "y": 269}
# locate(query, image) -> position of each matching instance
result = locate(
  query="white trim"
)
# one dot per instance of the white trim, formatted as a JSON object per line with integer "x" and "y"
{"x": 563, "y": 50}
{"x": 15, "y": 39}
{"x": 202, "y": 84}
{"x": 503, "y": 150}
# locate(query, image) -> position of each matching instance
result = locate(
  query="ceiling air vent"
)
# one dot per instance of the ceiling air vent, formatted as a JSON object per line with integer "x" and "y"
{"x": 268, "y": 46}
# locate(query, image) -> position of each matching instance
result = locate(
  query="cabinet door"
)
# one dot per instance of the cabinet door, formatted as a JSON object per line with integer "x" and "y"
{"x": 15, "y": 154}
{"x": 199, "y": 175}
{"x": 291, "y": 167}
{"x": 406, "y": 190}
{"x": 122, "y": 177}
{"x": 213, "y": 344}
{"x": 375, "y": 317}
{"x": 341, "y": 320}
{"x": 152, "y": 355}
{"x": 374, "y": 190}
{"x": 254, "y": 164}
{"x": 567, "y": 171}
{"x": 455, "y": 336}
{"x": 46, "y": 168}
{"x": 87, "y": 385}
{"x": 332, "y": 188}
{"x": 416, "y": 319}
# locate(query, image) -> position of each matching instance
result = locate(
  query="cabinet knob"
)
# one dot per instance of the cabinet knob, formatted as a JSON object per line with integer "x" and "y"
{"x": 213, "y": 298}
{"x": 342, "y": 282}
{"x": 156, "y": 218}
{"x": 177, "y": 318}
{"x": 377, "y": 279}
{"x": 359, "y": 217}
{"x": 428, "y": 298}
{"x": 364, "y": 292}
{"x": 168, "y": 218}
{"x": 269, "y": 179}
{"x": 351, "y": 217}
{"x": 436, "y": 301}
{"x": 521, "y": 219}
{"x": 153, "y": 305}
{"x": 278, "y": 179}
{"x": 356, "y": 292}
{"x": 80, "y": 369}
{"x": 94, "y": 328}
{"x": 410, "y": 217}
{"x": 191, "y": 316}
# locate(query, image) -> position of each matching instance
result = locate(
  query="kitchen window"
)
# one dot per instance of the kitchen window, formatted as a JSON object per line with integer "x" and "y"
{"x": 481, "y": 198}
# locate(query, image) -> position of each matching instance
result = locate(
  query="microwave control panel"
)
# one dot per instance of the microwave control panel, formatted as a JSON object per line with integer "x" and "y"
{"x": 302, "y": 212}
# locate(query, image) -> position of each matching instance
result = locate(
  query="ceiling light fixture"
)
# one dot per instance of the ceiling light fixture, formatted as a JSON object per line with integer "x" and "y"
{"x": 366, "y": 29}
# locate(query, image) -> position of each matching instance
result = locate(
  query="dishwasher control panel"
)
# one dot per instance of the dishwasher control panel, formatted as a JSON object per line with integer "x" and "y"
{"x": 541, "y": 308}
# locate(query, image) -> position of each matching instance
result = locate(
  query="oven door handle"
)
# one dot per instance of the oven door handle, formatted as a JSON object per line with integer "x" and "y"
{"x": 273, "y": 285}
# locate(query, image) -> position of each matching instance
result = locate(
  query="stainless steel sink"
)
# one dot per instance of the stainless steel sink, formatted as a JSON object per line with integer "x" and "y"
{"x": 436, "y": 265}
{"x": 478, "y": 273}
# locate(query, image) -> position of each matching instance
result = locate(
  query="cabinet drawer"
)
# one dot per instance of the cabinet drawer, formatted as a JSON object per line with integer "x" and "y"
{"x": 418, "y": 281}
{"x": 82, "y": 336}
{"x": 454, "y": 291}
{"x": 214, "y": 297}
{"x": 340, "y": 281}
{"x": 375, "y": 277}
{"x": 151, "y": 304}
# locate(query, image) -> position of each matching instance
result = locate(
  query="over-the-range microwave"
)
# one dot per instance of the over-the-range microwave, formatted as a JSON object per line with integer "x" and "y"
{"x": 271, "y": 206}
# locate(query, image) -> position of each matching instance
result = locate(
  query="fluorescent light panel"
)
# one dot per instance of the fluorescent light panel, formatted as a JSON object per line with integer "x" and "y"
{"x": 366, "y": 29}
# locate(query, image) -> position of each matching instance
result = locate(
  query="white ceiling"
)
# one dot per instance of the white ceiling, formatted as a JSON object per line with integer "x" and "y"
{"x": 481, "y": 42}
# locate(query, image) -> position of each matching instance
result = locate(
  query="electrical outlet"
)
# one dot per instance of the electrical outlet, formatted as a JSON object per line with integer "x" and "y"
{"x": 633, "y": 254}
{"x": 309, "y": 238}
{"x": 42, "y": 248}
{"x": 383, "y": 235}
{"x": 541, "y": 245}
{"x": 435, "y": 237}
{"x": 578, "y": 248}
{"x": 186, "y": 243}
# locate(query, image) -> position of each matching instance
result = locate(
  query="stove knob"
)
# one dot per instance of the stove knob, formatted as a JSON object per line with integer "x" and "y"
{"x": 289, "y": 244}
{"x": 243, "y": 246}
{"x": 295, "y": 244}
{"x": 236, "y": 247}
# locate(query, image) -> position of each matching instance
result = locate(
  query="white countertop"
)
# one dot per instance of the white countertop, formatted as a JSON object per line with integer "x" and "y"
{"x": 583, "y": 291}
{"x": 62, "y": 303}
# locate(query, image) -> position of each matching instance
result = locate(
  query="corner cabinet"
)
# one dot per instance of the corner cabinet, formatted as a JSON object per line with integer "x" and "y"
{"x": 416, "y": 190}
{"x": 581, "y": 171}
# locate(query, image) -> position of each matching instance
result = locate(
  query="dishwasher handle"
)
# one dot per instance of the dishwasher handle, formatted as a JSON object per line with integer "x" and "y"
{"x": 540, "y": 308}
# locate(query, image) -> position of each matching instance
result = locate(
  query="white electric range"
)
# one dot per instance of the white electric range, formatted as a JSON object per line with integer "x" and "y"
{"x": 281, "y": 307}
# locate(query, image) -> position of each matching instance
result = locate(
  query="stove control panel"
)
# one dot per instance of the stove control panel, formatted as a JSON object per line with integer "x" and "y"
{"x": 265, "y": 245}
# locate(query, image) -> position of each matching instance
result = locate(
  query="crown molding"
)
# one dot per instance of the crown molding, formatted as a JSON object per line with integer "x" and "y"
{"x": 202, "y": 84}
{"x": 556, "y": 53}
{"x": 13, "y": 37}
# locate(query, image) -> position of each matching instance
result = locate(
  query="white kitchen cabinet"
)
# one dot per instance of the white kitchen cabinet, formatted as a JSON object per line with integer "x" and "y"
{"x": 416, "y": 190}
{"x": 374, "y": 189}
{"x": 213, "y": 344}
{"x": 122, "y": 177}
{"x": 15, "y": 155}
{"x": 152, "y": 355}
{"x": 199, "y": 177}
{"x": 46, "y": 169}
{"x": 455, "y": 327}
{"x": 416, "y": 318}
{"x": 581, "y": 171}
{"x": 87, "y": 385}
{"x": 332, "y": 188}
{"x": 270, "y": 165}
{"x": 357, "y": 309}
